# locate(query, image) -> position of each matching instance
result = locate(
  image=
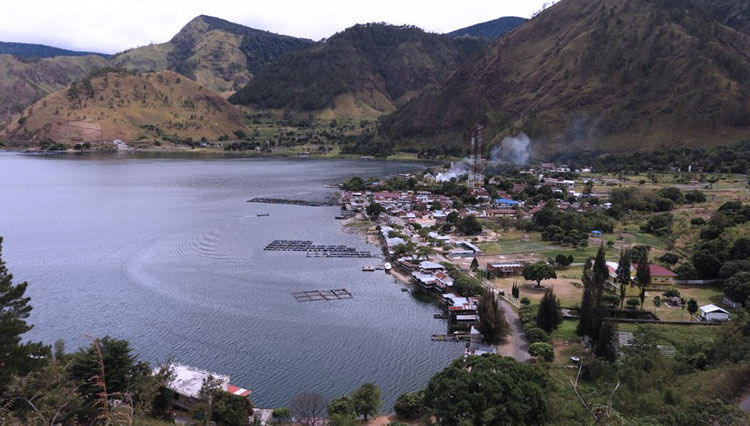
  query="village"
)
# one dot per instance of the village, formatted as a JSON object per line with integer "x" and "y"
{"x": 451, "y": 235}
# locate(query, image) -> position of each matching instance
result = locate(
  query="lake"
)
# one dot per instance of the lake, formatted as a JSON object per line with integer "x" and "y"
{"x": 164, "y": 250}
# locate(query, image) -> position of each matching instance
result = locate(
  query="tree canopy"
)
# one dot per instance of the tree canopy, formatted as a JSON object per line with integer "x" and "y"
{"x": 488, "y": 390}
{"x": 539, "y": 272}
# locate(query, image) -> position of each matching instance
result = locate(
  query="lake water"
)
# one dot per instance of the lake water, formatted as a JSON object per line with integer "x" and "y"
{"x": 165, "y": 251}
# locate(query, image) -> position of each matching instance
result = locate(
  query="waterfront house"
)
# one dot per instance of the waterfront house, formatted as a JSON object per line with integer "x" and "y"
{"x": 187, "y": 383}
{"x": 713, "y": 313}
{"x": 444, "y": 281}
{"x": 427, "y": 266}
{"x": 427, "y": 281}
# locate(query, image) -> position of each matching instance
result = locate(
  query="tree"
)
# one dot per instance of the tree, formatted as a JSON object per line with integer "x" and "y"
{"x": 488, "y": 390}
{"x": 592, "y": 312}
{"x": 563, "y": 261}
{"x": 231, "y": 409}
{"x": 469, "y": 226}
{"x": 622, "y": 274}
{"x": 367, "y": 400}
{"x": 543, "y": 351}
{"x": 474, "y": 264}
{"x": 410, "y": 405}
{"x": 606, "y": 342}
{"x": 692, "y": 306}
{"x": 737, "y": 287}
{"x": 633, "y": 302}
{"x": 342, "y": 406}
{"x": 46, "y": 396}
{"x": 492, "y": 323}
{"x": 308, "y": 408}
{"x": 121, "y": 368}
{"x": 423, "y": 252}
{"x": 657, "y": 302}
{"x": 549, "y": 315}
{"x": 209, "y": 391}
{"x": 538, "y": 272}
{"x": 374, "y": 210}
{"x": 15, "y": 357}
{"x": 515, "y": 291}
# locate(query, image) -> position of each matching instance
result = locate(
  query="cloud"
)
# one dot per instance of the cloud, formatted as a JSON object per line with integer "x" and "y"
{"x": 116, "y": 25}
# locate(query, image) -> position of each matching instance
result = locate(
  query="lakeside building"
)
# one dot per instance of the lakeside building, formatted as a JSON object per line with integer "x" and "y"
{"x": 187, "y": 383}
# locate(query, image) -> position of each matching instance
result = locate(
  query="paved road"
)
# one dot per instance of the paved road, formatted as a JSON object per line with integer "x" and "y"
{"x": 515, "y": 345}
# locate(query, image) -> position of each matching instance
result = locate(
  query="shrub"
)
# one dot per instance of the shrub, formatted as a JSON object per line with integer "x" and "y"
{"x": 525, "y": 301}
{"x": 542, "y": 351}
{"x": 410, "y": 405}
{"x": 633, "y": 303}
{"x": 536, "y": 334}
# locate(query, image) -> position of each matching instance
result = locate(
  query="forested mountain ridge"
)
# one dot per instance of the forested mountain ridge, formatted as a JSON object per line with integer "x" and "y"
{"x": 362, "y": 72}
{"x": 27, "y": 50}
{"x": 491, "y": 29}
{"x": 621, "y": 75}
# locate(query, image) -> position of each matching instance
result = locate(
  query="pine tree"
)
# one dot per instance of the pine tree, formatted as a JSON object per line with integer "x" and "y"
{"x": 623, "y": 274}
{"x": 586, "y": 300}
{"x": 595, "y": 276}
{"x": 15, "y": 357}
{"x": 549, "y": 316}
{"x": 606, "y": 342}
{"x": 492, "y": 323}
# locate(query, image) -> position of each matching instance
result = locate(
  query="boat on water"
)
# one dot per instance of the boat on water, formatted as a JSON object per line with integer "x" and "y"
{"x": 368, "y": 269}
{"x": 387, "y": 267}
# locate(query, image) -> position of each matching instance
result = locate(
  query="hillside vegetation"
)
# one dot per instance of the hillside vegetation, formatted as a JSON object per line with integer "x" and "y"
{"x": 610, "y": 74}
{"x": 23, "y": 81}
{"x": 362, "y": 72}
{"x": 119, "y": 105}
{"x": 491, "y": 29}
{"x": 216, "y": 53}
{"x": 26, "y": 50}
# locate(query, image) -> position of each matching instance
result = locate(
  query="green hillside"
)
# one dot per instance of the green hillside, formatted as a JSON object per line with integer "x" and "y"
{"x": 621, "y": 75}
{"x": 491, "y": 29}
{"x": 363, "y": 71}
{"x": 216, "y": 53}
{"x": 26, "y": 50}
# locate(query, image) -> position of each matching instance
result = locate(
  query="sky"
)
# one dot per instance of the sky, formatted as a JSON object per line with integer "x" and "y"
{"x": 110, "y": 26}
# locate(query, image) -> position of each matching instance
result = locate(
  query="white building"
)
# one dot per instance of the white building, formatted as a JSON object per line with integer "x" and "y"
{"x": 188, "y": 381}
{"x": 713, "y": 313}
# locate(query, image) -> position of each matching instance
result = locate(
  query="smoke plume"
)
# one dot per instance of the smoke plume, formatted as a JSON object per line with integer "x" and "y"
{"x": 457, "y": 169}
{"x": 512, "y": 150}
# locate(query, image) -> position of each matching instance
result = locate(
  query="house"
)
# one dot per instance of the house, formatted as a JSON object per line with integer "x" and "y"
{"x": 713, "y": 313}
{"x": 505, "y": 203}
{"x": 460, "y": 252}
{"x": 469, "y": 246}
{"x": 427, "y": 281}
{"x": 428, "y": 266}
{"x": 444, "y": 281}
{"x": 505, "y": 269}
{"x": 661, "y": 277}
{"x": 187, "y": 383}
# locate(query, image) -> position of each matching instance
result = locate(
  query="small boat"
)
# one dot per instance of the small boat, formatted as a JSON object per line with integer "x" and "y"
{"x": 263, "y": 215}
{"x": 368, "y": 269}
{"x": 404, "y": 289}
{"x": 387, "y": 267}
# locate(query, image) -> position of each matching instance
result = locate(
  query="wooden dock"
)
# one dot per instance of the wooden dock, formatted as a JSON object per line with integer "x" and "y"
{"x": 317, "y": 250}
{"x": 322, "y": 295}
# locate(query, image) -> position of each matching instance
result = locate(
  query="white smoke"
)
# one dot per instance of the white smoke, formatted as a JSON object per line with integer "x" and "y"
{"x": 457, "y": 170}
{"x": 512, "y": 150}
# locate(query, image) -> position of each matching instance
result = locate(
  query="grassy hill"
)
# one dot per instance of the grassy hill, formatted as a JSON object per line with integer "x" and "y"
{"x": 216, "y": 53}
{"x": 23, "y": 81}
{"x": 491, "y": 29}
{"x": 26, "y": 50}
{"x": 362, "y": 72}
{"x": 612, "y": 74}
{"x": 119, "y": 105}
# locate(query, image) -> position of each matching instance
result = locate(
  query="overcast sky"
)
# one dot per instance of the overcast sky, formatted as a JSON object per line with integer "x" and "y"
{"x": 110, "y": 26}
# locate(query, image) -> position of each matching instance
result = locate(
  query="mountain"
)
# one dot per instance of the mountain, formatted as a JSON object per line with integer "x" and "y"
{"x": 120, "y": 105}
{"x": 362, "y": 72}
{"x": 25, "y": 50}
{"x": 23, "y": 81}
{"x": 612, "y": 74}
{"x": 491, "y": 29}
{"x": 216, "y": 53}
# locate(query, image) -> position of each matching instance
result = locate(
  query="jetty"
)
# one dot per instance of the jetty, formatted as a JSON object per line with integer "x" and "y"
{"x": 290, "y": 202}
{"x": 322, "y": 295}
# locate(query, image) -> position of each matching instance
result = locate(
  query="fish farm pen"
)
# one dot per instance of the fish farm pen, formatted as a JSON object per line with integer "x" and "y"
{"x": 322, "y": 296}
{"x": 317, "y": 250}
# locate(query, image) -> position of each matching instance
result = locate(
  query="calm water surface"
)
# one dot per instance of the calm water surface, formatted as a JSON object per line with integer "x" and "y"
{"x": 166, "y": 252}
